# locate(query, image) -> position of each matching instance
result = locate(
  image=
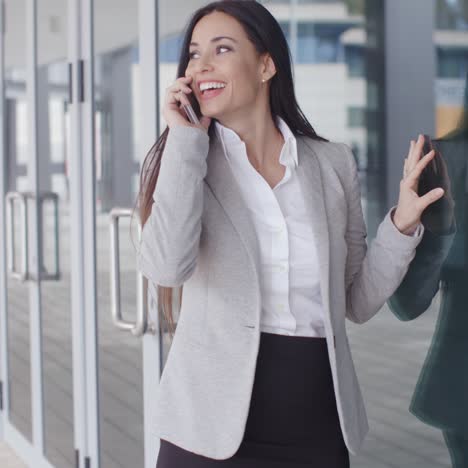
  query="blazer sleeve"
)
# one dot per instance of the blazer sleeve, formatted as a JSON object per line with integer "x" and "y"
{"x": 372, "y": 274}
{"x": 170, "y": 238}
{"x": 415, "y": 293}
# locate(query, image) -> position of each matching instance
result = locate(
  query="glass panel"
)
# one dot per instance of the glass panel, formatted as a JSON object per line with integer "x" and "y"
{"x": 117, "y": 176}
{"x": 338, "y": 82}
{"x": 439, "y": 396}
{"x": 17, "y": 154}
{"x": 53, "y": 151}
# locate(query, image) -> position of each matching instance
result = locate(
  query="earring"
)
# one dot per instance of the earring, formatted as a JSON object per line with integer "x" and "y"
{"x": 263, "y": 80}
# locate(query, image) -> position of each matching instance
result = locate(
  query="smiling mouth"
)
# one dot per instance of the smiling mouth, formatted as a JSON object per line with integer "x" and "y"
{"x": 213, "y": 92}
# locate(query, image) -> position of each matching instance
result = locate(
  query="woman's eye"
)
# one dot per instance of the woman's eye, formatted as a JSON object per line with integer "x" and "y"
{"x": 191, "y": 54}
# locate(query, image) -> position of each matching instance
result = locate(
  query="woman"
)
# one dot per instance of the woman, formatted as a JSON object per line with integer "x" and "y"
{"x": 260, "y": 220}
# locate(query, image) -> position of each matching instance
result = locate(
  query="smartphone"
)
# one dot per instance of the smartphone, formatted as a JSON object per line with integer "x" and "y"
{"x": 191, "y": 115}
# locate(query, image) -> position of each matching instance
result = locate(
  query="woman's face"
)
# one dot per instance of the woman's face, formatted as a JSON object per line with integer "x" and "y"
{"x": 221, "y": 52}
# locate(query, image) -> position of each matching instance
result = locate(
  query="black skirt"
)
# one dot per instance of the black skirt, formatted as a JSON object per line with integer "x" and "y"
{"x": 293, "y": 419}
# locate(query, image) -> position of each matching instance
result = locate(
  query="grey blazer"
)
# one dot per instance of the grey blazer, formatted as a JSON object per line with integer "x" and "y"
{"x": 199, "y": 235}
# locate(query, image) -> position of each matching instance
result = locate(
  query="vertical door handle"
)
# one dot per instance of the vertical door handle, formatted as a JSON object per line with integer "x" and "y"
{"x": 56, "y": 275}
{"x": 140, "y": 326}
{"x": 10, "y": 198}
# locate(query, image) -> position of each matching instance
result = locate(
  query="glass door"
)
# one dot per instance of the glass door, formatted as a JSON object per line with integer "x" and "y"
{"x": 122, "y": 381}
{"x": 17, "y": 178}
{"x": 41, "y": 345}
{"x": 80, "y": 357}
{"x": 120, "y": 373}
{"x": 53, "y": 154}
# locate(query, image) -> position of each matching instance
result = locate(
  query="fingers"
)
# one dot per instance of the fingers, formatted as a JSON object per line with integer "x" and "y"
{"x": 180, "y": 85}
{"x": 183, "y": 81}
{"x": 413, "y": 175}
{"x": 414, "y": 160}
{"x": 181, "y": 98}
{"x": 410, "y": 161}
{"x": 430, "y": 197}
{"x": 176, "y": 92}
{"x": 415, "y": 152}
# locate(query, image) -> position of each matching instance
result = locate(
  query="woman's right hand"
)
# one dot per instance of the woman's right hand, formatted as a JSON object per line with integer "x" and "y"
{"x": 173, "y": 113}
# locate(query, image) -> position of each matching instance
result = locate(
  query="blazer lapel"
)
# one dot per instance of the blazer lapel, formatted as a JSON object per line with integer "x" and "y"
{"x": 310, "y": 180}
{"x": 222, "y": 182}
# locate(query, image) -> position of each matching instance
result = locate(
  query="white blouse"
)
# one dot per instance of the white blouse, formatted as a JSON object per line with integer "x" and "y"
{"x": 289, "y": 281}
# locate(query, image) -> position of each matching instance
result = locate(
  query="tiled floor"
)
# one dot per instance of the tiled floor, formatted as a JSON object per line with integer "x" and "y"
{"x": 8, "y": 459}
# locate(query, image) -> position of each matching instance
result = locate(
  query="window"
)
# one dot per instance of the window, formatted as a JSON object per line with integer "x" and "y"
{"x": 356, "y": 117}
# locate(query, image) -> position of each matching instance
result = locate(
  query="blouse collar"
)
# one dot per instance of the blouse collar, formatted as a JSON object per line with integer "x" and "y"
{"x": 232, "y": 142}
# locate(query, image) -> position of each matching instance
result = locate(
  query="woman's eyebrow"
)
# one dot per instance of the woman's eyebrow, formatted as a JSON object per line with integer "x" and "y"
{"x": 216, "y": 39}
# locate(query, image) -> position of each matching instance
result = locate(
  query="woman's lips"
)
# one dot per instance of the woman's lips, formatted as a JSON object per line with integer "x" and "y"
{"x": 211, "y": 93}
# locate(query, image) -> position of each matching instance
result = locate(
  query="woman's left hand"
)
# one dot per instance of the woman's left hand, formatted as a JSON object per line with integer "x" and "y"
{"x": 407, "y": 215}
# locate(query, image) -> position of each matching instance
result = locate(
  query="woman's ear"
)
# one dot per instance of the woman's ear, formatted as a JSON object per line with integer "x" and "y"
{"x": 268, "y": 66}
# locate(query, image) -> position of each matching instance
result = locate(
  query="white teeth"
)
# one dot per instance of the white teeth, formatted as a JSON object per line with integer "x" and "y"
{"x": 205, "y": 86}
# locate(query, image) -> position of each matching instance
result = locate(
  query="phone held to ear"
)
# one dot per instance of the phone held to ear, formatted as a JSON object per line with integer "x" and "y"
{"x": 191, "y": 113}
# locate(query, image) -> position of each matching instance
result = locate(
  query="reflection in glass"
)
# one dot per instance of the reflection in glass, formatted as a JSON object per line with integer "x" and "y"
{"x": 117, "y": 157}
{"x": 53, "y": 151}
{"x": 17, "y": 160}
{"x": 441, "y": 262}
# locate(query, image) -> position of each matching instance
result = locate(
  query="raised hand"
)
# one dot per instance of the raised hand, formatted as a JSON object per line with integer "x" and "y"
{"x": 176, "y": 94}
{"x": 407, "y": 215}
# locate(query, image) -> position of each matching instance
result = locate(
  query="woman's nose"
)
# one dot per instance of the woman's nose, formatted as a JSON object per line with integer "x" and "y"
{"x": 203, "y": 64}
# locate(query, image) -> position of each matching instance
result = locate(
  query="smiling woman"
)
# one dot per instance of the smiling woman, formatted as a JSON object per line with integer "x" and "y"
{"x": 234, "y": 61}
{"x": 253, "y": 62}
{"x": 235, "y": 70}
{"x": 239, "y": 209}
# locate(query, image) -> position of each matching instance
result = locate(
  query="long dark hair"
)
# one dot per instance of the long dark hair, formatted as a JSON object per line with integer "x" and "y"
{"x": 266, "y": 35}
